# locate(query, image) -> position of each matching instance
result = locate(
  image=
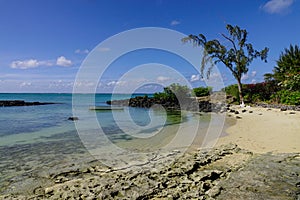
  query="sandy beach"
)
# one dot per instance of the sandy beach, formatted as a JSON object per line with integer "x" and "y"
{"x": 262, "y": 130}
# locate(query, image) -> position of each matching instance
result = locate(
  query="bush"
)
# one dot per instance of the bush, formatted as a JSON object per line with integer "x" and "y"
{"x": 288, "y": 97}
{"x": 202, "y": 91}
{"x": 233, "y": 90}
{"x": 173, "y": 92}
{"x": 254, "y": 92}
{"x": 260, "y": 91}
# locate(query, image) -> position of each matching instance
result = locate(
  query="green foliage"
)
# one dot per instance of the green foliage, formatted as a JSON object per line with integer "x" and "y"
{"x": 173, "y": 92}
{"x": 288, "y": 97}
{"x": 260, "y": 91}
{"x": 287, "y": 76}
{"x": 287, "y": 71}
{"x": 288, "y": 64}
{"x": 237, "y": 58}
{"x": 232, "y": 90}
{"x": 202, "y": 91}
{"x": 254, "y": 92}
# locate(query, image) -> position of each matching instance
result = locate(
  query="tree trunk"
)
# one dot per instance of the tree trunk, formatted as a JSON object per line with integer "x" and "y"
{"x": 240, "y": 92}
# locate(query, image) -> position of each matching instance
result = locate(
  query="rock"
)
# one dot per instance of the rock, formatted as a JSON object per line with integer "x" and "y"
{"x": 214, "y": 191}
{"x": 238, "y": 117}
{"x": 292, "y": 113}
{"x": 73, "y": 118}
{"x": 283, "y": 109}
{"x": 219, "y": 173}
{"x": 244, "y": 110}
{"x": 49, "y": 190}
{"x": 8, "y": 103}
{"x": 250, "y": 111}
{"x": 236, "y": 112}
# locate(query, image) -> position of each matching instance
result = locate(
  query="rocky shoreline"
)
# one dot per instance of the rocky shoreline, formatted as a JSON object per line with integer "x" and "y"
{"x": 9, "y": 103}
{"x": 279, "y": 106}
{"x": 203, "y": 104}
{"x": 226, "y": 172}
{"x": 190, "y": 104}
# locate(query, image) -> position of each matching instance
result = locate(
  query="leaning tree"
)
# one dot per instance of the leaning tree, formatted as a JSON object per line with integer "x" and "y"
{"x": 237, "y": 56}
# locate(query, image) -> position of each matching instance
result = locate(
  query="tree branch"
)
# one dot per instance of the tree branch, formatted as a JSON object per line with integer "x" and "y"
{"x": 235, "y": 49}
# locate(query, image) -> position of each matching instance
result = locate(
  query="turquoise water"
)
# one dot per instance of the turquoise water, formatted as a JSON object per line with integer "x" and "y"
{"x": 31, "y": 123}
{"x": 37, "y": 141}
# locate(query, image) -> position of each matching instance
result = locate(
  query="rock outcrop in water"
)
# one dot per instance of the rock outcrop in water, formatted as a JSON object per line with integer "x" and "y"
{"x": 191, "y": 104}
{"x": 8, "y": 103}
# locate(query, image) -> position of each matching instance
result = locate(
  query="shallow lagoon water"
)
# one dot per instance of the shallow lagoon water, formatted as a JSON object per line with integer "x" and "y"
{"x": 37, "y": 141}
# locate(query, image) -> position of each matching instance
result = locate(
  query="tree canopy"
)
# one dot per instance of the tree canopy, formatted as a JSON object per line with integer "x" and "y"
{"x": 236, "y": 57}
{"x": 287, "y": 71}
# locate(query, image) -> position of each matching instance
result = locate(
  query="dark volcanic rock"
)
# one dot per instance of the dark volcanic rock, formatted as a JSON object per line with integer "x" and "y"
{"x": 190, "y": 104}
{"x": 283, "y": 109}
{"x": 280, "y": 106}
{"x": 8, "y": 103}
{"x": 73, "y": 118}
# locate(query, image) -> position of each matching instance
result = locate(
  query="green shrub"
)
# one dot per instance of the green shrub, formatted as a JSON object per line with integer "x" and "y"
{"x": 288, "y": 97}
{"x": 202, "y": 91}
{"x": 233, "y": 90}
{"x": 254, "y": 92}
{"x": 173, "y": 92}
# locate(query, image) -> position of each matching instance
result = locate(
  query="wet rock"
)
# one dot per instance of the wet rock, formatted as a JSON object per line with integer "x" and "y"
{"x": 236, "y": 112}
{"x": 238, "y": 117}
{"x": 8, "y": 103}
{"x": 73, "y": 118}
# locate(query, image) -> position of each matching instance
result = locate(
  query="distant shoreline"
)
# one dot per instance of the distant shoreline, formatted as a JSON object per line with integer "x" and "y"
{"x": 11, "y": 103}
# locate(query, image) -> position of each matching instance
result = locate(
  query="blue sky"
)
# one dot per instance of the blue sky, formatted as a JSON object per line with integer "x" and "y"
{"x": 44, "y": 42}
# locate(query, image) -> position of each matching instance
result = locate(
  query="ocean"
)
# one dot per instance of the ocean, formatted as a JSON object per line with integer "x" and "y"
{"x": 38, "y": 141}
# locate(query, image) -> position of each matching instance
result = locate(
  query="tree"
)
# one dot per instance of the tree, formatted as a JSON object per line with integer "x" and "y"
{"x": 287, "y": 71}
{"x": 236, "y": 58}
{"x": 202, "y": 91}
{"x": 173, "y": 93}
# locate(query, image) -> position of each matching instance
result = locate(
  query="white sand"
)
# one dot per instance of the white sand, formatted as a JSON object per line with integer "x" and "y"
{"x": 265, "y": 130}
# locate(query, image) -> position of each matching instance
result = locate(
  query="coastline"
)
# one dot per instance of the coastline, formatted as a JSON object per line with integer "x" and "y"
{"x": 252, "y": 145}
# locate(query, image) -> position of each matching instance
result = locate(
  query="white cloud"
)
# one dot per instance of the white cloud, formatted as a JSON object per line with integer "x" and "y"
{"x": 24, "y": 84}
{"x": 162, "y": 78}
{"x": 104, "y": 49}
{"x": 245, "y": 77}
{"x": 24, "y": 64}
{"x": 174, "y": 23}
{"x": 34, "y": 63}
{"x": 253, "y": 81}
{"x": 79, "y": 51}
{"x": 195, "y": 77}
{"x": 118, "y": 83}
{"x": 277, "y": 6}
{"x": 31, "y": 63}
{"x": 62, "y": 61}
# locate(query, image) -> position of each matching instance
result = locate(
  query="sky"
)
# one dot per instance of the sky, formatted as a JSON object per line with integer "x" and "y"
{"x": 43, "y": 43}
